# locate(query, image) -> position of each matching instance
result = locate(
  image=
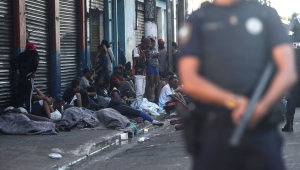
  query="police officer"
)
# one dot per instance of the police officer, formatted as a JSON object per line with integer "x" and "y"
{"x": 293, "y": 97}
{"x": 225, "y": 48}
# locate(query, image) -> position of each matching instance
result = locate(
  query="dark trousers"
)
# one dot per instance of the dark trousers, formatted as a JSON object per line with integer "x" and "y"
{"x": 259, "y": 150}
{"x": 292, "y": 100}
{"x": 25, "y": 89}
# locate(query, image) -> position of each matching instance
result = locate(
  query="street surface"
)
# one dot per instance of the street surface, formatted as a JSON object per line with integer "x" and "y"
{"x": 166, "y": 151}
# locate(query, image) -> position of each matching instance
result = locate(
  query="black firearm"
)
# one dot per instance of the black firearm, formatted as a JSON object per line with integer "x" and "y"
{"x": 240, "y": 129}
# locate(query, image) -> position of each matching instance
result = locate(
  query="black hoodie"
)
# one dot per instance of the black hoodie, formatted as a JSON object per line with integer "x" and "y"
{"x": 27, "y": 63}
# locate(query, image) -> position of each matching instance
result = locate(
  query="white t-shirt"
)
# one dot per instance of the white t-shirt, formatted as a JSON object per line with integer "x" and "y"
{"x": 135, "y": 52}
{"x": 165, "y": 93}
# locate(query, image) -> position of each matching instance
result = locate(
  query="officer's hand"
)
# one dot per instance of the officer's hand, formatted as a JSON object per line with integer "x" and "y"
{"x": 259, "y": 113}
{"x": 239, "y": 111}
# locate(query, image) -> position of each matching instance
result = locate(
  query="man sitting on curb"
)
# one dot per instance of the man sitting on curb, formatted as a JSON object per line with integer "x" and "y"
{"x": 168, "y": 94}
{"x": 123, "y": 84}
{"x": 72, "y": 95}
{"x": 162, "y": 84}
{"x": 42, "y": 104}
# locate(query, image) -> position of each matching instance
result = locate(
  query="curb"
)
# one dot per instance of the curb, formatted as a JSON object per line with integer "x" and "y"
{"x": 96, "y": 147}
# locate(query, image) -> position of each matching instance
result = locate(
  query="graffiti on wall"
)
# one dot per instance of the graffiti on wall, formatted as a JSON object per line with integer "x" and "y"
{"x": 150, "y": 6}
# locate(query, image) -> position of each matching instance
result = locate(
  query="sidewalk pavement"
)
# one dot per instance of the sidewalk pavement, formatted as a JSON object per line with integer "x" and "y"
{"x": 291, "y": 146}
{"x": 31, "y": 152}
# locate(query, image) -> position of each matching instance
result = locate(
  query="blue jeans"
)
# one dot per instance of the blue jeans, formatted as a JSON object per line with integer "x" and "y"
{"x": 93, "y": 103}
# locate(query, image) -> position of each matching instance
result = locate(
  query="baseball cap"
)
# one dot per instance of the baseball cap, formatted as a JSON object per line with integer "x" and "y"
{"x": 161, "y": 41}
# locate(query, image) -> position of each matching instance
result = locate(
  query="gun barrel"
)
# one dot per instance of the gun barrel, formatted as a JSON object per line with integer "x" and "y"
{"x": 240, "y": 129}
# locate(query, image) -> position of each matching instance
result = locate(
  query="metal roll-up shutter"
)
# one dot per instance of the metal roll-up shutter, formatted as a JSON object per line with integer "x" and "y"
{"x": 140, "y": 25}
{"x": 140, "y": 32}
{"x": 94, "y": 45}
{"x": 68, "y": 41}
{"x": 97, "y": 4}
{"x": 37, "y": 22}
{"x": 6, "y": 53}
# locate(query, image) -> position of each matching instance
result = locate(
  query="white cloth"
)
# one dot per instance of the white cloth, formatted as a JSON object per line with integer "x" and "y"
{"x": 165, "y": 93}
{"x": 140, "y": 84}
{"x": 41, "y": 102}
{"x": 111, "y": 59}
{"x": 72, "y": 102}
{"x": 135, "y": 52}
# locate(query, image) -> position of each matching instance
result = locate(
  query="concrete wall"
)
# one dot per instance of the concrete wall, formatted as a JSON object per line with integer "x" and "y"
{"x": 161, "y": 30}
{"x": 128, "y": 40}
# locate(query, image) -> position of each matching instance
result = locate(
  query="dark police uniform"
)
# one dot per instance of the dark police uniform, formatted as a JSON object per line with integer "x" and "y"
{"x": 294, "y": 95}
{"x": 234, "y": 44}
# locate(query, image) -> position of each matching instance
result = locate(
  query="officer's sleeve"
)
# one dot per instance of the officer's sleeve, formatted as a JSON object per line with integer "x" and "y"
{"x": 277, "y": 33}
{"x": 190, "y": 38}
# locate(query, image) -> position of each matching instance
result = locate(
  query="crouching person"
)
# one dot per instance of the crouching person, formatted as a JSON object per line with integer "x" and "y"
{"x": 42, "y": 105}
{"x": 72, "y": 95}
{"x": 168, "y": 94}
{"x": 122, "y": 107}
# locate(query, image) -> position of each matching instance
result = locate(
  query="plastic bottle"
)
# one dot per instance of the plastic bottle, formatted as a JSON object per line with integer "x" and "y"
{"x": 117, "y": 141}
{"x": 62, "y": 108}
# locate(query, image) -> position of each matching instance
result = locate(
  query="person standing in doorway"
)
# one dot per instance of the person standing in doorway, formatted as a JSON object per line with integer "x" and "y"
{"x": 175, "y": 56}
{"x": 152, "y": 76}
{"x": 139, "y": 58}
{"x": 110, "y": 56}
{"x": 26, "y": 64}
{"x": 220, "y": 71}
{"x": 121, "y": 57}
{"x": 102, "y": 64}
{"x": 162, "y": 59}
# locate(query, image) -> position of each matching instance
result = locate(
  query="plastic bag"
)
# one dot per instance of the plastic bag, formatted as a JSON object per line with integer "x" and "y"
{"x": 56, "y": 115}
{"x": 153, "y": 108}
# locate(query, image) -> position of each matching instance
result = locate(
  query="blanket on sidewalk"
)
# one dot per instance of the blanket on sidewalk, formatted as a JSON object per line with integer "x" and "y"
{"x": 79, "y": 118}
{"x": 112, "y": 119}
{"x": 14, "y": 122}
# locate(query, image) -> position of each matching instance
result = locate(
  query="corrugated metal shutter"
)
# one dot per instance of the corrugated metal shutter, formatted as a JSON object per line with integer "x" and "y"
{"x": 68, "y": 41}
{"x": 94, "y": 45}
{"x": 6, "y": 53}
{"x": 97, "y": 4}
{"x": 37, "y": 20}
{"x": 140, "y": 32}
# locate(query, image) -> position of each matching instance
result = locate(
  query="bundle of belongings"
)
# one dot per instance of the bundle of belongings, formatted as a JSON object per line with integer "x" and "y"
{"x": 16, "y": 121}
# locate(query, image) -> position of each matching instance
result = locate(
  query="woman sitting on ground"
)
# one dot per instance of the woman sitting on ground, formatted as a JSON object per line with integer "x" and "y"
{"x": 121, "y": 106}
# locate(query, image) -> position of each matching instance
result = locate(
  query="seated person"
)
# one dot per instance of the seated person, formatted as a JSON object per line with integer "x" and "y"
{"x": 102, "y": 94}
{"x": 121, "y": 106}
{"x": 87, "y": 84}
{"x": 162, "y": 84}
{"x": 123, "y": 84}
{"x": 71, "y": 95}
{"x": 42, "y": 104}
{"x": 168, "y": 94}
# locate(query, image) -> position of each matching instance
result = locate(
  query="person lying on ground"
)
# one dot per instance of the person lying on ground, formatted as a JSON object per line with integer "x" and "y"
{"x": 168, "y": 94}
{"x": 122, "y": 107}
{"x": 72, "y": 95}
{"x": 162, "y": 84}
{"x": 121, "y": 83}
{"x": 42, "y": 105}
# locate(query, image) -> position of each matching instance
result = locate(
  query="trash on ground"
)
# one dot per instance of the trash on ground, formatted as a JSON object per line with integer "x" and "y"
{"x": 141, "y": 140}
{"x": 156, "y": 135}
{"x": 117, "y": 142}
{"x": 145, "y": 130}
{"x": 124, "y": 136}
{"x": 153, "y": 108}
{"x": 147, "y": 139}
{"x": 55, "y": 156}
